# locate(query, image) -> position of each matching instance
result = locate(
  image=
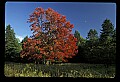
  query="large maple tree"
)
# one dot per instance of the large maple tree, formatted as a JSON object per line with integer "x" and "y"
{"x": 52, "y": 39}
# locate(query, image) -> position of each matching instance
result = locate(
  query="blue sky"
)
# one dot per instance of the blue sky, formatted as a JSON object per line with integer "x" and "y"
{"x": 83, "y": 15}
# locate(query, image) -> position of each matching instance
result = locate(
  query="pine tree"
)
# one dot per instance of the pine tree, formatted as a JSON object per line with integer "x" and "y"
{"x": 12, "y": 48}
{"x": 77, "y": 35}
{"x": 92, "y": 35}
{"x": 107, "y": 50}
{"x": 25, "y": 39}
{"x": 106, "y": 31}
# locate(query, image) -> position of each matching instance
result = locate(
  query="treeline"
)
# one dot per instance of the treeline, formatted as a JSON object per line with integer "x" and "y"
{"x": 97, "y": 49}
{"x": 93, "y": 49}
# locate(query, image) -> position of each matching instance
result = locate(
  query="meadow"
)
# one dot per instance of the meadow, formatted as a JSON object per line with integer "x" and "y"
{"x": 59, "y": 70}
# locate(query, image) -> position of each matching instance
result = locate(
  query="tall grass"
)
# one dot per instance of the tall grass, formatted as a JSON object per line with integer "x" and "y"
{"x": 59, "y": 70}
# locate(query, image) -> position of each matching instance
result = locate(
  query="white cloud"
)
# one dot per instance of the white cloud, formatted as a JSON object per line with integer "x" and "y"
{"x": 20, "y": 37}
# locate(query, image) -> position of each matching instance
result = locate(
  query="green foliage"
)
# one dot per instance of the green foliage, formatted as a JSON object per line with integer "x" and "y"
{"x": 106, "y": 31}
{"x": 80, "y": 39}
{"x": 99, "y": 49}
{"x": 12, "y": 47}
{"x": 77, "y": 35}
{"x": 90, "y": 46}
{"x": 25, "y": 39}
{"x": 18, "y": 45}
{"x": 59, "y": 70}
{"x": 92, "y": 35}
{"x": 107, "y": 41}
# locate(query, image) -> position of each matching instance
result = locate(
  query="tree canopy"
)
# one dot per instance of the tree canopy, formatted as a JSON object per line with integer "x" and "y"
{"x": 52, "y": 39}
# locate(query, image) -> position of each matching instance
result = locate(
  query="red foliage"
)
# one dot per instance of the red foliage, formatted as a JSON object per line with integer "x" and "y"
{"x": 51, "y": 38}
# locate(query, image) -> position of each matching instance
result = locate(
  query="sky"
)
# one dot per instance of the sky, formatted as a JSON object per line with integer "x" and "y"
{"x": 83, "y": 15}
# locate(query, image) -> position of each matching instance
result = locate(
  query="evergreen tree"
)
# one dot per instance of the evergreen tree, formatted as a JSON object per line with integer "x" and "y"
{"x": 19, "y": 44}
{"x": 107, "y": 49}
{"x": 106, "y": 31}
{"x": 25, "y": 39}
{"x": 92, "y": 35}
{"x": 114, "y": 36}
{"x": 77, "y": 35}
{"x": 90, "y": 46}
{"x": 12, "y": 49}
{"x": 80, "y": 43}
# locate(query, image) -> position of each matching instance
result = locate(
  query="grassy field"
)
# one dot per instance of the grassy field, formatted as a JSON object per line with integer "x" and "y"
{"x": 59, "y": 70}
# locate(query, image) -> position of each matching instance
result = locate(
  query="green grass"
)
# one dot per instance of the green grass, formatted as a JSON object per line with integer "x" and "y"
{"x": 59, "y": 70}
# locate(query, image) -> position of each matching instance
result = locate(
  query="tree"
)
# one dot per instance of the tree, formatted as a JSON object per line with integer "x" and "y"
{"x": 90, "y": 46}
{"x": 107, "y": 38}
{"x": 52, "y": 39}
{"x": 80, "y": 43}
{"x": 77, "y": 35}
{"x": 113, "y": 49}
{"x": 25, "y": 59}
{"x": 106, "y": 31}
{"x": 12, "y": 48}
{"x": 92, "y": 35}
{"x": 101, "y": 50}
{"x": 114, "y": 36}
{"x": 25, "y": 39}
{"x": 18, "y": 45}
